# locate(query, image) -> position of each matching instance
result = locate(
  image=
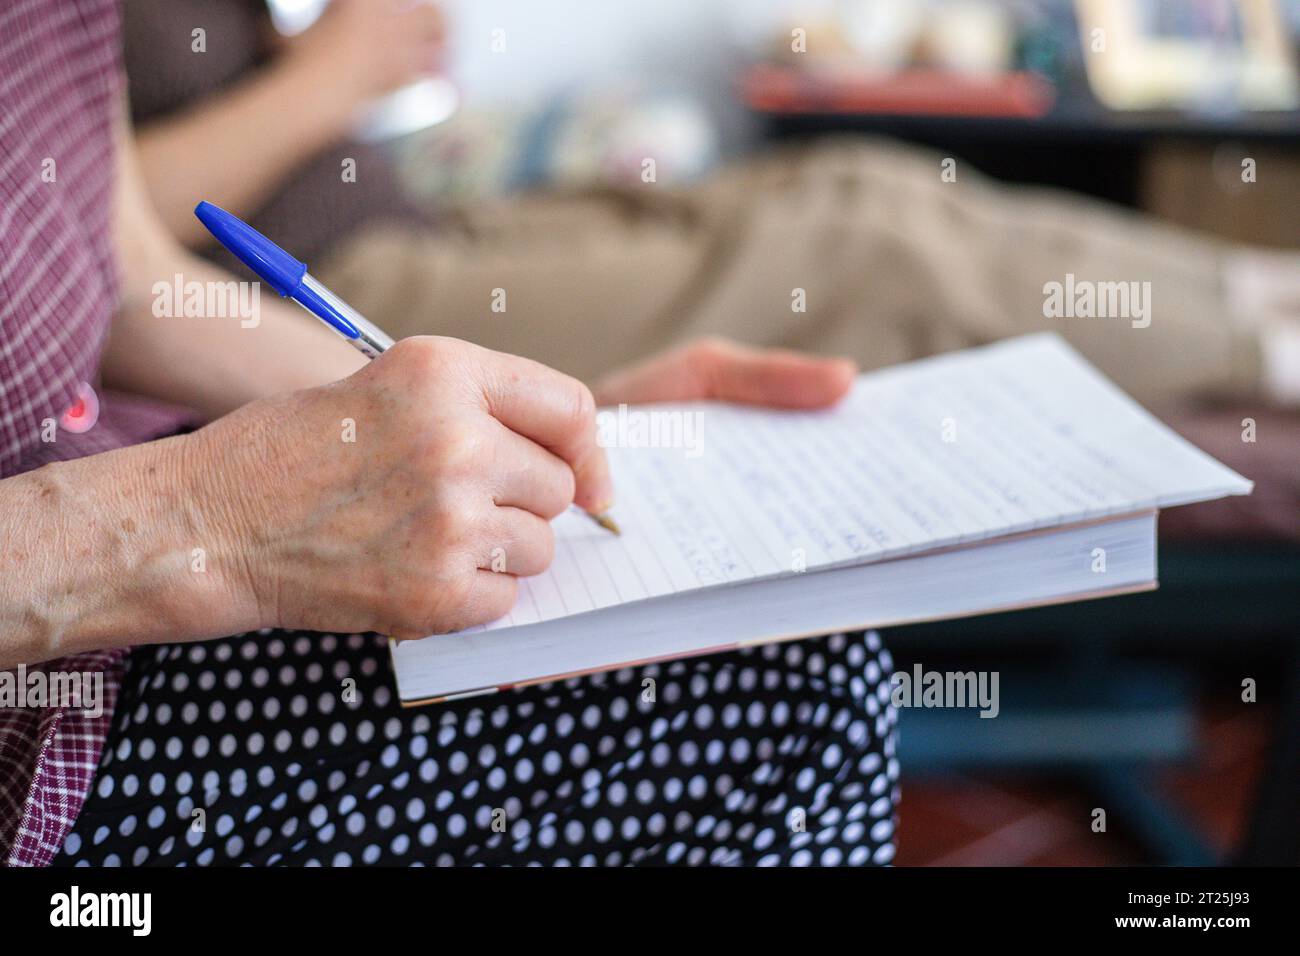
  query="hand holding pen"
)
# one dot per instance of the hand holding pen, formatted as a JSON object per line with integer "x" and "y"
{"x": 289, "y": 277}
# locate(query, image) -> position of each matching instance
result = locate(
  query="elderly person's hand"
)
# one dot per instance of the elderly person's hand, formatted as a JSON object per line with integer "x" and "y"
{"x": 392, "y": 500}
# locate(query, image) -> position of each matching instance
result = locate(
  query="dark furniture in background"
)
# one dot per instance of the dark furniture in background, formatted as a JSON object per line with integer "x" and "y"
{"x": 1078, "y": 144}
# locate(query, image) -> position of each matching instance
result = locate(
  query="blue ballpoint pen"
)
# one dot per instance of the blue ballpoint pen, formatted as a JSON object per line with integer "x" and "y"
{"x": 289, "y": 277}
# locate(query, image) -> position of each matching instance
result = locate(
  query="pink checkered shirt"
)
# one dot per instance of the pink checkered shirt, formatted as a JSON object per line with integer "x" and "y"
{"x": 60, "y": 88}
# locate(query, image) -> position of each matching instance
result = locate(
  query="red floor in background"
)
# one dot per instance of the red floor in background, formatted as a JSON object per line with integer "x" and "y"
{"x": 1019, "y": 819}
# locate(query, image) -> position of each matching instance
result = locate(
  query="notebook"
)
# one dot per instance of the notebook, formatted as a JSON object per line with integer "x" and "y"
{"x": 1001, "y": 477}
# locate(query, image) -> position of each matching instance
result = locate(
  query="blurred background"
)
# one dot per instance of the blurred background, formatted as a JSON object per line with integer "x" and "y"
{"x": 1133, "y": 705}
{"x": 1150, "y": 103}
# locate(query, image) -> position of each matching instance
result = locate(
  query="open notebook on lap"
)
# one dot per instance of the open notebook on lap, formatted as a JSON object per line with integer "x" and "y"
{"x": 1000, "y": 477}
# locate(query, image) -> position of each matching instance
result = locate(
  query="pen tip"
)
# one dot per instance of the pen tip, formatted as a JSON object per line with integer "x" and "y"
{"x": 606, "y": 522}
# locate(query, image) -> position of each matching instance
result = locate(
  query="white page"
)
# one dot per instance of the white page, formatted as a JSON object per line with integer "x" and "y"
{"x": 961, "y": 447}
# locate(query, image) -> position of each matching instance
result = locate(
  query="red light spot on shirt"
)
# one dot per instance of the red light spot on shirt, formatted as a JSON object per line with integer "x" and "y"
{"x": 83, "y": 413}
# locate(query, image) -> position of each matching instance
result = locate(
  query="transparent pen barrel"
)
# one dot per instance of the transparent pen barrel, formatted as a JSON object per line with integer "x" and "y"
{"x": 373, "y": 341}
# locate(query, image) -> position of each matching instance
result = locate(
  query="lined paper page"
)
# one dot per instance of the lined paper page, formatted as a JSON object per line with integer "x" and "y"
{"x": 1019, "y": 435}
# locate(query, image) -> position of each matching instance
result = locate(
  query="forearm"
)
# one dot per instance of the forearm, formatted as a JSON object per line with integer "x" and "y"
{"x": 217, "y": 363}
{"x": 124, "y": 548}
{"x": 235, "y": 149}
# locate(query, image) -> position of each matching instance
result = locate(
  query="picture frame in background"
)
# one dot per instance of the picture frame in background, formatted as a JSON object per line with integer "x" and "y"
{"x": 1205, "y": 55}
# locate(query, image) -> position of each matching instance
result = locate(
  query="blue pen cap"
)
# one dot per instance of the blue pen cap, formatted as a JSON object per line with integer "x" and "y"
{"x": 277, "y": 268}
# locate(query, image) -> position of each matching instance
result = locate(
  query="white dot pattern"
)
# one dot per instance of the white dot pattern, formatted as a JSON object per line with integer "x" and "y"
{"x": 780, "y": 755}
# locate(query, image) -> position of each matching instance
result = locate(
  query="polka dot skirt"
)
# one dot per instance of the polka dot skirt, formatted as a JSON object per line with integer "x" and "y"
{"x": 290, "y": 749}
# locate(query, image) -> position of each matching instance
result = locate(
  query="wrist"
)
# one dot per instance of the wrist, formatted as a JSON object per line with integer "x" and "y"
{"x": 223, "y": 490}
{"x": 183, "y": 552}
